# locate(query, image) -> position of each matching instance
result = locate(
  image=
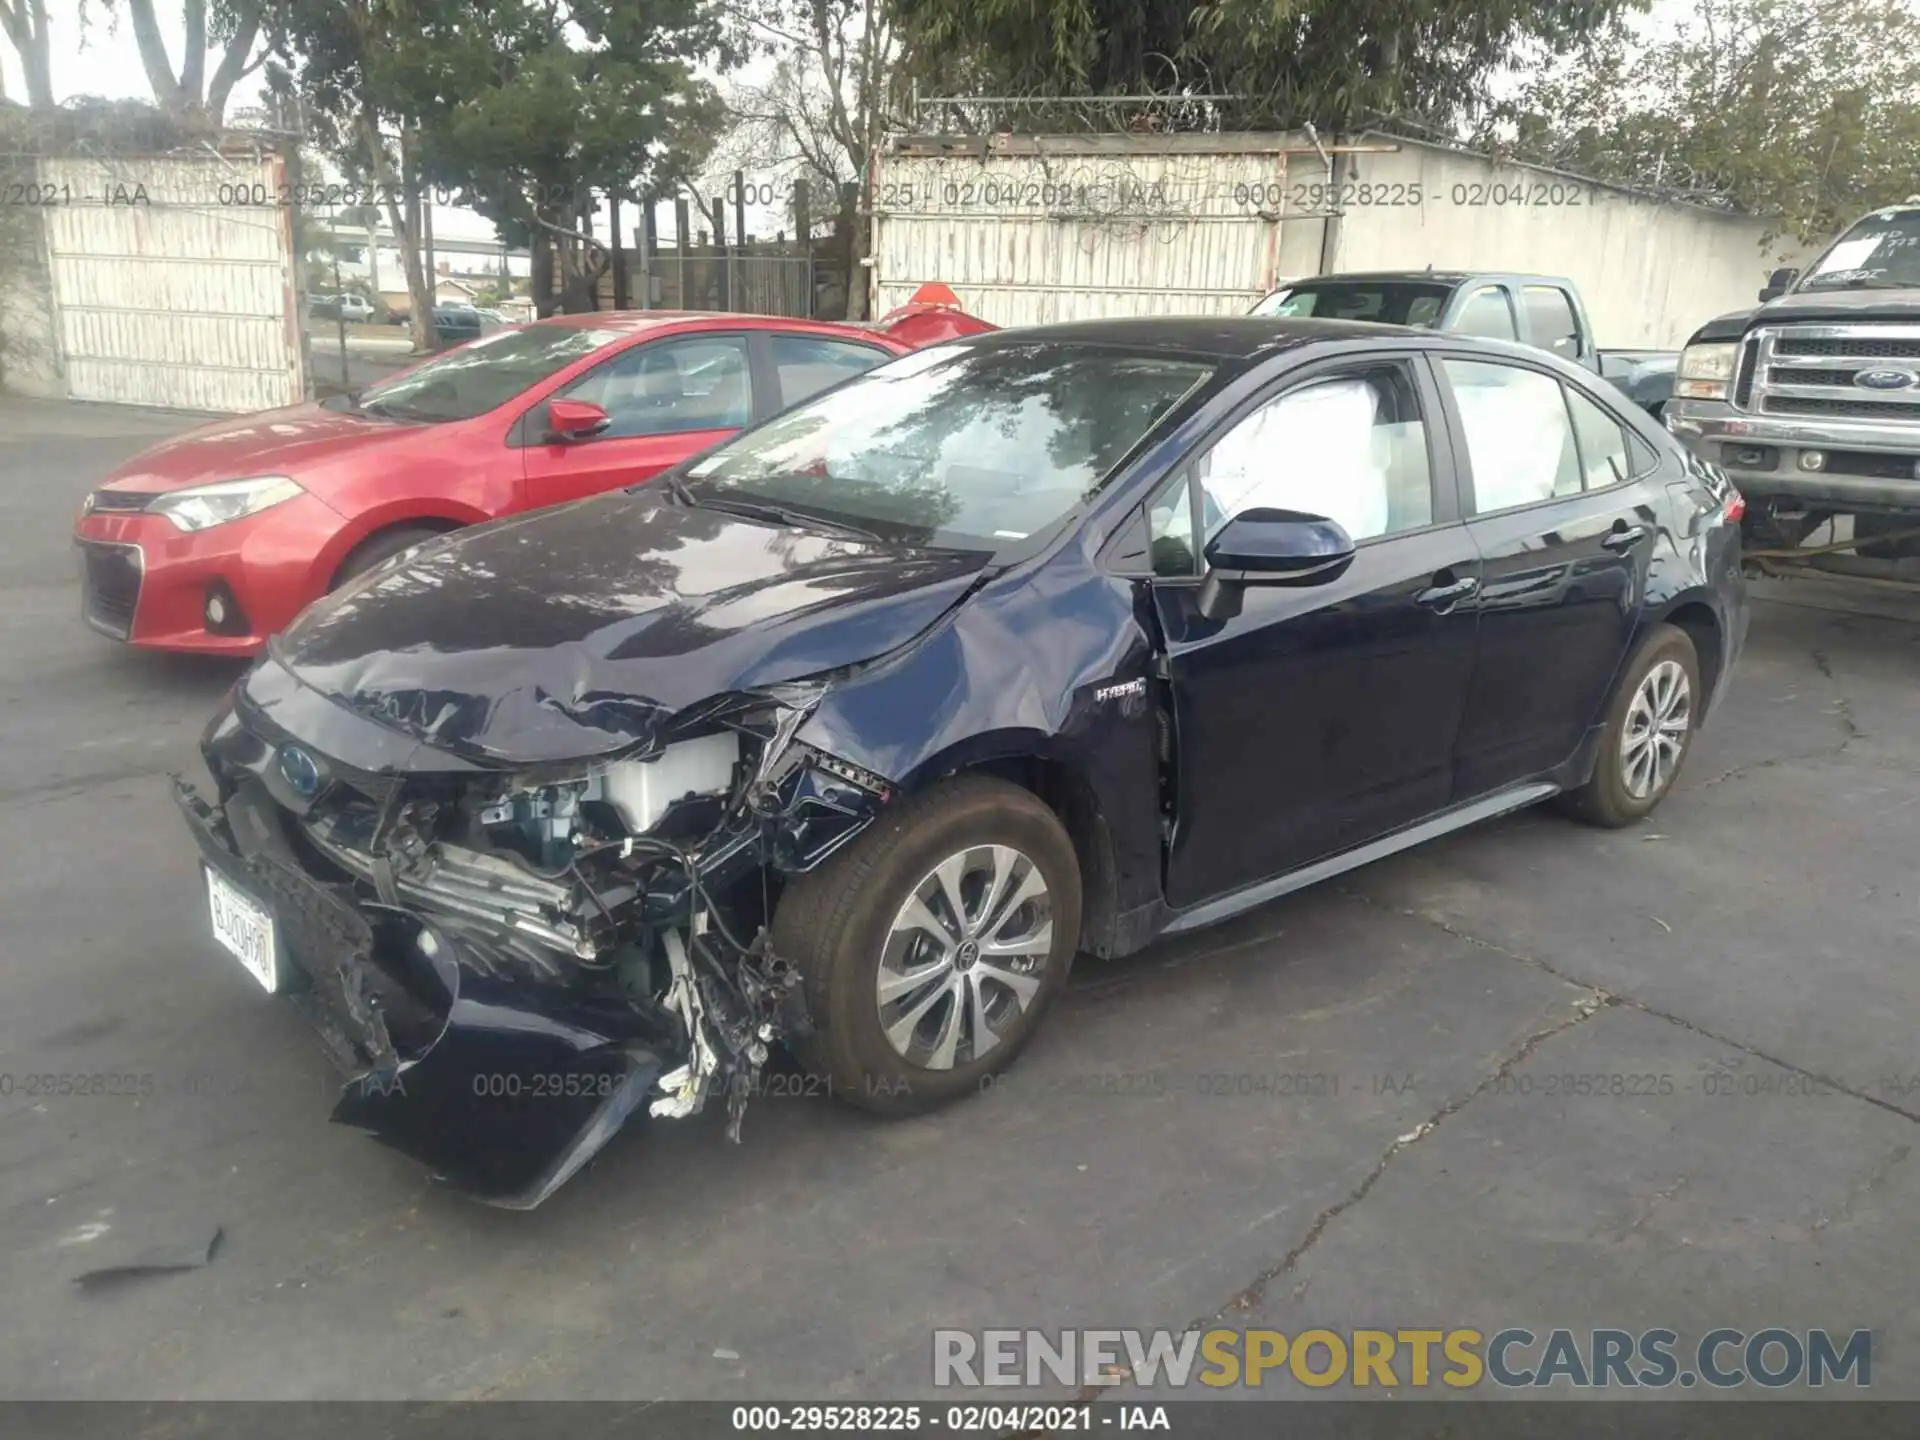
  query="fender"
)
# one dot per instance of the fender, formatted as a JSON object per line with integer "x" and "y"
{"x": 1010, "y": 678}
{"x": 407, "y": 510}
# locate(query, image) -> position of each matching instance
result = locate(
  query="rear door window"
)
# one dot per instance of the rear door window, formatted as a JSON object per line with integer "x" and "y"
{"x": 808, "y": 364}
{"x": 1604, "y": 457}
{"x": 1520, "y": 440}
{"x": 1550, "y": 320}
{"x": 1488, "y": 313}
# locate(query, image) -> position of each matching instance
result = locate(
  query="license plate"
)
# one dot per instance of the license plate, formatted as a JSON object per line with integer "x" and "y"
{"x": 245, "y": 927}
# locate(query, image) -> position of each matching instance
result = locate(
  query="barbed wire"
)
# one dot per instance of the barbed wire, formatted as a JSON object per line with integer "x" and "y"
{"x": 1191, "y": 112}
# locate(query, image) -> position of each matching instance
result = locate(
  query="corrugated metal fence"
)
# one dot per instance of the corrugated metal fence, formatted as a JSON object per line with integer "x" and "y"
{"x": 173, "y": 281}
{"x": 1032, "y": 229}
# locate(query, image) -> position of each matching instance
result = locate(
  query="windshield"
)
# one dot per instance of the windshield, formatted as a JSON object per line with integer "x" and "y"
{"x": 1385, "y": 302}
{"x": 484, "y": 374}
{"x": 1881, "y": 252}
{"x": 973, "y": 448}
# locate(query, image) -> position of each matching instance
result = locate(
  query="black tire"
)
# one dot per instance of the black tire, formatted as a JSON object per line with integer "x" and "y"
{"x": 1608, "y": 799}
{"x": 1866, "y": 527}
{"x": 835, "y": 923}
{"x": 379, "y": 548}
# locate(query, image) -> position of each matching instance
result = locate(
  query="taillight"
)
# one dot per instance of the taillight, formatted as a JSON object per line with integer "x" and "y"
{"x": 1735, "y": 508}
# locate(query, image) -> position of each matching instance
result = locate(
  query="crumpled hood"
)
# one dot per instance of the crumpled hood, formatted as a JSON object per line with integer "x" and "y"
{"x": 571, "y": 632}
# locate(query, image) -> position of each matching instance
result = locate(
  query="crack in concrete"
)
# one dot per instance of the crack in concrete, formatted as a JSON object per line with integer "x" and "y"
{"x": 1842, "y": 706}
{"x": 1825, "y": 752}
{"x": 1659, "y": 1198}
{"x": 1249, "y": 1295}
{"x": 1865, "y": 1188}
{"x": 1631, "y": 1002}
{"x": 1850, "y": 730}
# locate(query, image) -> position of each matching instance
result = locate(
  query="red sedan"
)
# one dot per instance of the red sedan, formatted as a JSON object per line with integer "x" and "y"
{"x": 213, "y": 541}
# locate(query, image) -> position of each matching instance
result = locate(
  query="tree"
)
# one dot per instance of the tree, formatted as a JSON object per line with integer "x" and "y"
{"x": 240, "y": 33}
{"x": 555, "y": 125}
{"x": 1807, "y": 111}
{"x": 1284, "y": 62}
{"x": 834, "y": 93}
{"x": 334, "y": 55}
{"x": 25, "y": 25}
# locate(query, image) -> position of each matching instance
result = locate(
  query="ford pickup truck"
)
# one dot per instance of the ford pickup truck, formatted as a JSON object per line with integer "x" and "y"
{"x": 1811, "y": 404}
{"x": 1544, "y": 311}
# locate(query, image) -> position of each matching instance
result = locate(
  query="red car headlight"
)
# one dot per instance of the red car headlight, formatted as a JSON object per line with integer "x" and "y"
{"x": 200, "y": 507}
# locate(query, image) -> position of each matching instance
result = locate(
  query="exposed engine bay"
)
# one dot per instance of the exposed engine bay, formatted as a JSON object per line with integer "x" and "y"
{"x": 614, "y": 913}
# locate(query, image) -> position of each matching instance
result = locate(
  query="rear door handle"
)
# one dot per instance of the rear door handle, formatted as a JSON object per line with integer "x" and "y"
{"x": 1442, "y": 598}
{"x": 1625, "y": 539}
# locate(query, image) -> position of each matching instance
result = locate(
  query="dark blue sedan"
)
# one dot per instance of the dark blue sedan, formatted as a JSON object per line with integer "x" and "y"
{"x": 848, "y": 736}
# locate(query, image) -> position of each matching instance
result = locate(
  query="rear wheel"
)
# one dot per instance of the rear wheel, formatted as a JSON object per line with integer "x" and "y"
{"x": 931, "y": 948}
{"x": 381, "y": 547}
{"x": 1650, "y": 728}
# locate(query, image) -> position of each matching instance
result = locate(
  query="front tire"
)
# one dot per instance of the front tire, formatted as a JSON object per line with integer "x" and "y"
{"x": 932, "y": 946}
{"x": 1650, "y": 729}
{"x": 379, "y": 548}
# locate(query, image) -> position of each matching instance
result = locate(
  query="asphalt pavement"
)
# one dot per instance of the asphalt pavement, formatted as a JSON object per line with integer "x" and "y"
{"x": 1356, "y": 1107}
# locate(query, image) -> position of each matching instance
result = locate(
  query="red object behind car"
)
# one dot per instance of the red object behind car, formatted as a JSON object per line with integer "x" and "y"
{"x": 215, "y": 540}
{"x": 932, "y": 314}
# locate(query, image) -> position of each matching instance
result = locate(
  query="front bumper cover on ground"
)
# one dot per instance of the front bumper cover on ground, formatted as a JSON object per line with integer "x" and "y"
{"x": 501, "y": 1087}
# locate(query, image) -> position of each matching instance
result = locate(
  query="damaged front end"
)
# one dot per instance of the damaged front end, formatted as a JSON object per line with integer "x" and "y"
{"x": 508, "y": 961}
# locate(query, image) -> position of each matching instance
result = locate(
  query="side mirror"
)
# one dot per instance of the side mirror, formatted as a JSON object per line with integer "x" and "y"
{"x": 1271, "y": 547}
{"x": 1778, "y": 283}
{"x": 571, "y": 420}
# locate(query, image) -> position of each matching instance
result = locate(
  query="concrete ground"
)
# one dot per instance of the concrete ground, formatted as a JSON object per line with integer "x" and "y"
{"x": 1343, "y": 1110}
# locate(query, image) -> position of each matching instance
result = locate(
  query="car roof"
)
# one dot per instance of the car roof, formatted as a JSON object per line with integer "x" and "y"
{"x": 637, "y": 322}
{"x": 1236, "y": 337}
{"x": 1436, "y": 277}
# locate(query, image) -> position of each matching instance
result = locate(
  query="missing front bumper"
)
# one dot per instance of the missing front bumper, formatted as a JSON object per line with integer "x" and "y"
{"x": 502, "y": 1088}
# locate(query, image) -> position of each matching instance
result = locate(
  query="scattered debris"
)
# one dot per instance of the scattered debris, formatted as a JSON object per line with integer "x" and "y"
{"x": 162, "y": 1259}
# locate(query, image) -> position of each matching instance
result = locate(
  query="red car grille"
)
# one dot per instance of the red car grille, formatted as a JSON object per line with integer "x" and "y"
{"x": 111, "y": 585}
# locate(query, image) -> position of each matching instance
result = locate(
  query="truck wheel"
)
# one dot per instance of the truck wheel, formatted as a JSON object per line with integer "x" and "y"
{"x": 1650, "y": 728}
{"x": 932, "y": 946}
{"x": 1865, "y": 527}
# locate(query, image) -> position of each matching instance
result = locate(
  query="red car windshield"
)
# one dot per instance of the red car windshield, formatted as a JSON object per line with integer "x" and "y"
{"x": 484, "y": 374}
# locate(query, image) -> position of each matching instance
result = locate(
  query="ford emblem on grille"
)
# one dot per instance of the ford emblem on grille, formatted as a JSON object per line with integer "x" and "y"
{"x": 300, "y": 770}
{"x": 1884, "y": 379}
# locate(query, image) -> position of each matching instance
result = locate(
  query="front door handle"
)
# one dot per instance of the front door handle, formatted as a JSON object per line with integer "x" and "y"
{"x": 1625, "y": 537}
{"x": 1442, "y": 598}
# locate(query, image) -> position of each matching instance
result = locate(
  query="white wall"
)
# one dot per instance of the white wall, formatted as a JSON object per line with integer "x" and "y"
{"x": 1650, "y": 272}
{"x": 1149, "y": 224}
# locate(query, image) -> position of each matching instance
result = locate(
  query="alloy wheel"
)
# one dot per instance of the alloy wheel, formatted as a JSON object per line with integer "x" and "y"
{"x": 965, "y": 956}
{"x": 1658, "y": 720}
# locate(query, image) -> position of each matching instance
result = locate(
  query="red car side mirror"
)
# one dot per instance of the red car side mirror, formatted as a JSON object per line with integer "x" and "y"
{"x": 570, "y": 420}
